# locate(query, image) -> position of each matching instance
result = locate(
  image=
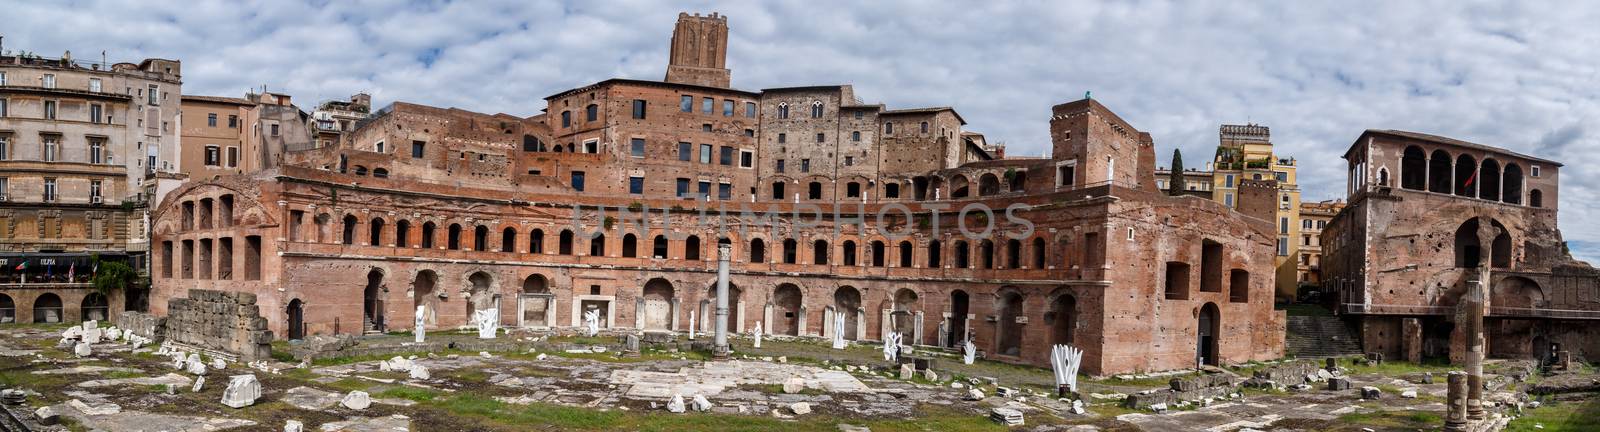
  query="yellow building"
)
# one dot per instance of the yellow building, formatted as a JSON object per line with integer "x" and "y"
{"x": 1314, "y": 216}
{"x": 1245, "y": 152}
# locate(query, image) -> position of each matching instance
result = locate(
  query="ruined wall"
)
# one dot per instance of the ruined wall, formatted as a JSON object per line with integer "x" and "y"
{"x": 223, "y": 321}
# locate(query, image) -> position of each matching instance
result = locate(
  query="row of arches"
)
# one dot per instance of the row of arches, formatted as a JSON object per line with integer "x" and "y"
{"x": 923, "y": 188}
{"x": 984, "y": 254}
{"x": 48, "y": 308}
{"x": 1463, "y": 175}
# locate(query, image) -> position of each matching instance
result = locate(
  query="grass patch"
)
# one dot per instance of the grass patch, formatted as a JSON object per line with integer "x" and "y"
{"x": 1559, "y": 416}
{"x": 1439, "y": 368}
{"x": 556, "y": 417}
{"x": 1395, "y": 419}
{"x": 409, "y": 393}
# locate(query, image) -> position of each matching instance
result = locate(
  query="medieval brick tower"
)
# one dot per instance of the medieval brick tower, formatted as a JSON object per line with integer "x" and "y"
{"x": 700, "y": 51}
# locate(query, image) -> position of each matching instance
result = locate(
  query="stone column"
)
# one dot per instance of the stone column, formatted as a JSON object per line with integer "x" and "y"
{"x": 1477, "y": 300}
{"x": 719, "y": 348}
{"x": 1455, "y": 419}
{"x": 801, "y": 331}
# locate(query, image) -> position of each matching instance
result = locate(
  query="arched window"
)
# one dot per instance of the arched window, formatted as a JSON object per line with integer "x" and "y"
{"x": 380, "y": 173}
{"x": 848, "y": 252}
{"x": 591, "y": 113}
{"x": 428, "y": 229}
{"x": 1469, "y": 253}
{"x": 402, "y": 233}
{"x": 877, "y": 253}
{"x": 888, "y": 128}
{"x": 816, "y": 109}
{"x": 508, "y": 240}
{"x": 1439, "y": 174}
{"x": 790, "y": 251}
{"x": 819, "y": 252}
{"x": 1513, "y": 184}
{"x": 564, "y": 245}
{"x": 963, "y": 255}
{"x": 691, "y": 248}
{"x": 924, "y": 127}
{"x": 1414, "y": 169}
{"x": 453, "y": 237}
{"x": 933, "y": 254}
{"x": 783, "y": 110}
{"x": 375, "y": 232}
{"x": 536, "y": 241}
{"x": 1383, "y": 177}
{"x": 361, "y": 170}
{"x": 758, "y": 251}
{"x": 597, "y": 245}
{"x": 658, "y": 247}
{"x": 814, "y": 191}
{"x": 1490, "y": 178}
{"x": 1038, "y": 253}
{"x": 349, "y": 229}
{"x": 480, "y": 238}
{"x": 906, "y": 252}
{"x": 630, "y": 246}
{"x": 1467, "y": 180}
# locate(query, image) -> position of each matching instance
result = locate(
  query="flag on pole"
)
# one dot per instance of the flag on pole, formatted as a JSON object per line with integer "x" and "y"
{"x": 1474, "y": 176}
{"x": 72, "y": 271}
{"x": 23, "y": 266}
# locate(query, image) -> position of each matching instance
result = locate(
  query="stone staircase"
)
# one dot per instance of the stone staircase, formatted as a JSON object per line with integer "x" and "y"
{"x": 1320, "y": 336}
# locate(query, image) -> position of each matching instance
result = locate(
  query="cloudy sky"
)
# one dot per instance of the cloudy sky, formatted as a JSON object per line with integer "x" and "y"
{"x": 1518, "y": 75}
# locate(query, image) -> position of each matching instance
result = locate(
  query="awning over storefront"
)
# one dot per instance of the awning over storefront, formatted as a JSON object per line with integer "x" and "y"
{"x": 53, "y": 265}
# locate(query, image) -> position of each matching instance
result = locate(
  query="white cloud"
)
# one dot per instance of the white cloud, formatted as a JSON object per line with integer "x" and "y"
{"x": 1515, "y": 75}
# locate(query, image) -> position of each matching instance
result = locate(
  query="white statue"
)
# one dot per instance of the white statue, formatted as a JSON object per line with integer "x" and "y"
{"x": 420, "y": 330}
{"x": 1064, "y": 360}
{"x": 891, "y": 347}
{"x": 591, "y": 322}
{"x": 838, "y": 331}
{"x": 692, "y": 324}
{"x": 970, "y": 352}
{"x": 757, "y": 334}
{"x": 488, "y": 321}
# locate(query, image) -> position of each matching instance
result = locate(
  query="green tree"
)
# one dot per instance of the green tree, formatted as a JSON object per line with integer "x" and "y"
{"x": 1176, "y": 185}
{"x": 113, "y": 275}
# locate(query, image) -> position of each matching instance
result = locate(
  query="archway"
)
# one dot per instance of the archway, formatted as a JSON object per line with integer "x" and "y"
{"x": 95, "y": 307}
{"x": 296, "y": 319}
{"x": 1439, "y": 172}
{"x": 1208, "y": 333}
{"x": 847, "y": 301}
{"x": 8, "y": 309}
{"x": 958, "y": 318}
{"x": 958, "y": 186}
{"x": 1008, "y": 332}
{"x": 786, "y": 301}
{"x": 902, "y": 314}
{"x": 422, "y": 294}
{"x": 480, "y": 294}
{"x": 1469, "y": 253}
{"x": 372, "y": 303}
{"x": 1467, "y": 179}
{"x": 708, "y": 308}
{"x": 1413, "y": 169}
{"x": 988, "y": 184}
{"x": 1019, "y": 181}
{"x": 657, "y": 304}
{"x": 1064, "y": 311}
{"x": 1490, "y": 178}
{"x": 47, "y": 308}
{"x": 536, "y": 302}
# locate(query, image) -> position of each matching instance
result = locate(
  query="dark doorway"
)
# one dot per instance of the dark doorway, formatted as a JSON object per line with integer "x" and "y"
{"x": 958, "y": 319}
{"x": 372, "y": 304}
{"x": 1206, "y": 343}
{"x": 297, "y": 322}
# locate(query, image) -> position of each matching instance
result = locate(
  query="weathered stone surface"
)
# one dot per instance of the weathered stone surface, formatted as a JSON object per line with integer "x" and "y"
{"x": 676, "y": 404}
{"x": 82, "y": 349}
{"x": 800, "y": 408}
{"x": 242, "y": 391}
{"x": 47, "y": 416}
{"x": 794, "y": 385}
{"x": 1338, "y": 384}
{"x": 293, "y": 426}
{"x": 356, "y": 400}
{"x": 701, "y": 404}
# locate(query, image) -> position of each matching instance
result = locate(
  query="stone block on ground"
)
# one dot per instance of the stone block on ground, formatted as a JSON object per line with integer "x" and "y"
{"x": 1371, "y": 393}
{"x": 800, "y": 408}
{"x": 356, "y": 400}
{"x": 794, "y": 385}
{"x": 242, "y": 391}
{"x": 47, "y": 416}
{"x": 701, "y": 404}
{"x": 1338, "y": 384}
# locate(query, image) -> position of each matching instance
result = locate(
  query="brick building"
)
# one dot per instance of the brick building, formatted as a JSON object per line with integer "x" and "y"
{"x": 1425, "y": 214}
{"x": 82, "y": 147}
{"x": 854, "y": 210}
{"x": 1314, "y": 217}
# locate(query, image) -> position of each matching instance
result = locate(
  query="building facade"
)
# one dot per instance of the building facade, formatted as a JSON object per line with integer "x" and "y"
{"x": 831, "y": 208}
{"x": 80, "y": 144}
{"x": 1314, "y": 217}
{"x": 1427, "y": 217}
{"x": 1244, "y": 153}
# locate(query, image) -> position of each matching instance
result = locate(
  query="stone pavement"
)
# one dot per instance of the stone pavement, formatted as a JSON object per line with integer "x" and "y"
{"x": 713, "y": 379}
